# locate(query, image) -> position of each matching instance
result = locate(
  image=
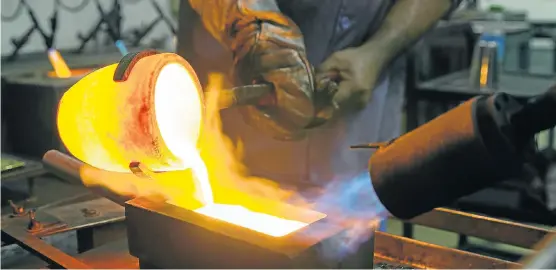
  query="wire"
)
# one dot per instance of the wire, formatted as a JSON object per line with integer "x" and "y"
{"x": 16, "y": 13}
{"x": 73, "y": 9}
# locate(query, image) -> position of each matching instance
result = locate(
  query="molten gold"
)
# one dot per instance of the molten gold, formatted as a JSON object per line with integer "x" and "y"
{"x": 157, "y": 117}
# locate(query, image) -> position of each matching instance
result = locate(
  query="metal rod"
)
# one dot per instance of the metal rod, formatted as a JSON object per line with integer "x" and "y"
{"x": 488, "y": 228}
{"x": 69, "y": 168}
{"x": 397, "y": 249}
{"x": 545, "y": 257}
{"x": 244, "y": 95}
{"x": 41, "y": 249}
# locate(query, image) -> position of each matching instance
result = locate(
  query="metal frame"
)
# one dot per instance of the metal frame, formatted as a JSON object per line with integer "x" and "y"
{"x": 29, "y": 172}
{"x": 389, "y": 248}
{"x": 493, "y": 229}
{"x": 61, "y": 217}
{"x": 405, "y": 251}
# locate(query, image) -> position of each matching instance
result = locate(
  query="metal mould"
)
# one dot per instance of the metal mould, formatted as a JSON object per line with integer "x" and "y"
{"x": 162, "y": 235}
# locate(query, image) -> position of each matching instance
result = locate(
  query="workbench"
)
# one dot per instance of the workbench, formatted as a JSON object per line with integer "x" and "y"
{"x": 391, "y": 251}
{"x": 29, "y": 171}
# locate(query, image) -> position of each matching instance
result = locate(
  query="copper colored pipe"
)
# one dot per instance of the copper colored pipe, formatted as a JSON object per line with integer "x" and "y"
{"x": 68, "y": 168}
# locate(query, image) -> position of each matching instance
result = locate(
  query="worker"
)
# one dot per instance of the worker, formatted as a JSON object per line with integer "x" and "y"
{"x": 294, "y": 44}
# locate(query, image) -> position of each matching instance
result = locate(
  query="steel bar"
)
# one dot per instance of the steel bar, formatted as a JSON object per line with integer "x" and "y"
{"x": 392, "y": 248}
{"x": 545, "y": 257}
{"x": 488, "y": 228}
{"x": 68, "y": 168}
{"x": 41, "y": 249}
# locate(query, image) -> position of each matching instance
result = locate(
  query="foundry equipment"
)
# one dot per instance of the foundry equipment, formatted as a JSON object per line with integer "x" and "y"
{"x": 30, "y": 99}
{"x": 441, "y": 161}
{"x": 390, "y": 251}
{"x": 483, "y": 141}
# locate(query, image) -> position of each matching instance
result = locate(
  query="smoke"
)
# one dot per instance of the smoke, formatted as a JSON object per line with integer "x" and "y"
{"x": 353, "y": 203}
{"x": 349, "y": 201}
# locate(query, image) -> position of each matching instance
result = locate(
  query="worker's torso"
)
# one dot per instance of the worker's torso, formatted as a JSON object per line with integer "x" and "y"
{"x": 327, "y": 26}
{"x": 332, "y": 25}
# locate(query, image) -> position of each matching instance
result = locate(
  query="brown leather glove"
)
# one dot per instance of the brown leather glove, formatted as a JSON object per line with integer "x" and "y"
{"x": 273, "y": 52}
{"x": 268, "y": 48}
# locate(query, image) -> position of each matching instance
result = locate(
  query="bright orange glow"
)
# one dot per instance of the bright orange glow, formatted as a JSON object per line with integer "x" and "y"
{"x": 79, "y": 72}
{"x": 484, "y": 71}
{"x": 59, "y": 64}
{"x": 236, "y": 214}
{"x": 157, "y": 117}
{"x": 108, "y": 124}
{"x": 260, "y": 222}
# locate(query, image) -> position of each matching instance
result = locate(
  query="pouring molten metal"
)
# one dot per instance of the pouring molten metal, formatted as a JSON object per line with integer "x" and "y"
{"x": 154, "y": 112}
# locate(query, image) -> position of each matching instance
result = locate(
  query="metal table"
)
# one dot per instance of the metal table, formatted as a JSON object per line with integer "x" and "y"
{"x": 456, "y": 87}
{"x": 84, "y": 214}
{"x": 390, "y": 249}
{"x": 31, "y": 170}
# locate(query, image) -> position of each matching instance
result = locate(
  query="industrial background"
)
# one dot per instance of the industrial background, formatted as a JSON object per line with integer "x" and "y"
{"x": 90, "y": 34}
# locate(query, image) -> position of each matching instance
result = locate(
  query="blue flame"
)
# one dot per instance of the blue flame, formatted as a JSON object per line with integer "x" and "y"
{"x": 121, "y": 47}
{"x": 353, "y": 200}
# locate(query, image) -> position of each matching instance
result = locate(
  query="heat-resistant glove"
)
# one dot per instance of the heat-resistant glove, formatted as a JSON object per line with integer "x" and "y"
{"x": 268, "y": 48}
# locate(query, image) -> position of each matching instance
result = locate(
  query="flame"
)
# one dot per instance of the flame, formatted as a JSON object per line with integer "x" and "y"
{"x": 224, "y": 166}
{"x": 232, "y": 213}
{"x": 59, "y": 64}
{"x": 203, "y": 172}
{"x": 96, "y": 119}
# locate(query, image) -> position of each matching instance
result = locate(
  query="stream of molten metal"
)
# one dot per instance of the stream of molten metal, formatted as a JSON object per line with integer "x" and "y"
{"x": 232, "y": 213}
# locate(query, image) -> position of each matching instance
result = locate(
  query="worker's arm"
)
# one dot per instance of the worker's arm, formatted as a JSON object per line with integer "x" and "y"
{"x": 268, "y": 48}
{"x": 358, "y": 69}
{"x": 406, "y": 22}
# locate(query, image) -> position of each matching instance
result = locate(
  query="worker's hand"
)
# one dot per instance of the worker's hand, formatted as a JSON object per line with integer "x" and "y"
{"x": 357, "y": 71}
{"x": 274, "y": 52}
